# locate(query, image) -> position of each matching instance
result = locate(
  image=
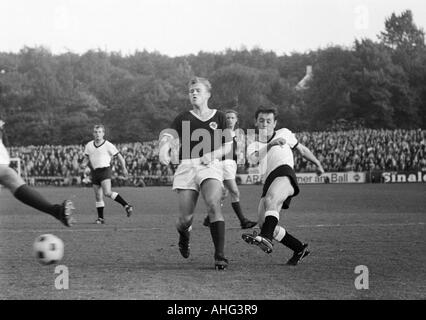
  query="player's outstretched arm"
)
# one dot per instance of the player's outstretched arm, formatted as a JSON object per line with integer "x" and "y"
{"x": 123, "y": 164}
{"x": 308, "y": 155}
{"x": 84, "y": 162}
{"x": 165, "y": 147}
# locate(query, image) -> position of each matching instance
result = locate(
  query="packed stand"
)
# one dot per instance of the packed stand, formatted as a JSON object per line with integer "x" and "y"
{"x": 365, "y": 150}
{"x": 349, "y": 150}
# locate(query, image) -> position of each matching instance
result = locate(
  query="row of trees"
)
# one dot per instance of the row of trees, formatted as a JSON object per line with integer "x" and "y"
{"x": 55, "y": 99}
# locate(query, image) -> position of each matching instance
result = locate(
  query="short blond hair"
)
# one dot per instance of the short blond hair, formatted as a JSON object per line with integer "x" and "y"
{"x": 99, "y": 126}
{"x": 203, "y": 81}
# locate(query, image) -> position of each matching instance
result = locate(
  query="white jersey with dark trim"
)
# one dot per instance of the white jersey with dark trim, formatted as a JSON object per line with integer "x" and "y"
{"x": 276, "y": 156}
{"x": 100, "y": 156}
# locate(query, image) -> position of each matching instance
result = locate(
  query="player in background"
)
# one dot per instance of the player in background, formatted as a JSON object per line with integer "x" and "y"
{"x": 203, "y": 143}
{"x": 98, "y": 155}
{"x": 230, "y": 172}
{"x": 273, "y": 150}
{"x": 29, "y": 196}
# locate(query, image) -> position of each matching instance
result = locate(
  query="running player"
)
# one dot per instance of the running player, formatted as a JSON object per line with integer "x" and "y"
{"x": 230, "y": 172}
{"x": 29, "y": 196}
{"x": 98, "y": 155}
{"x": 203, "y": 142}
{"x": 274, "y": 152}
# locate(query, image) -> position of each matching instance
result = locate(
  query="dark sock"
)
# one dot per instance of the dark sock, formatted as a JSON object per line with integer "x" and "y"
{"x": 217, "y": 230}
{"x": 100, "y": 212}
{"x": 292, "y": 243}
{"x": 237, "y": 209}
{"x": 268, "y": 227}
{"x": 120, "y": 200}
{"x": 34, "y": 199}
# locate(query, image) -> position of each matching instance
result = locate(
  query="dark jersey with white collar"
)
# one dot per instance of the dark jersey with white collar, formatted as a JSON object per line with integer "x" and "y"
{"x": 198, "y": 137}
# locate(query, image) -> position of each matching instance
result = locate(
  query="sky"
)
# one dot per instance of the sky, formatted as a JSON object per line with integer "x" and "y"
{"x": 181, "y": 27}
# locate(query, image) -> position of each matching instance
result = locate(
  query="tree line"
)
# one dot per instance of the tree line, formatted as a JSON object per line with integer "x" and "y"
{"x": 50, "y": 98}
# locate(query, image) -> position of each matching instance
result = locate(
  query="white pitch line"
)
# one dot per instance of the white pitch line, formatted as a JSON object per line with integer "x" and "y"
{"x": 231, "y": 228}
{"x": 362, "y": 225}
{"x": 75, "y": 230}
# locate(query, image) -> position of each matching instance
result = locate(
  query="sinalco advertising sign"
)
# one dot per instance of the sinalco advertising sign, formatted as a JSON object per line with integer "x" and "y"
{"x": 403, "y": 177}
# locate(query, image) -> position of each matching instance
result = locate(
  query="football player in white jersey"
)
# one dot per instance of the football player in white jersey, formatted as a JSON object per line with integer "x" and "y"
{"x": 273, "y": 150}
{"x": 29, "y": 196}
{"x": 229, "y": 174}
{"x": 99, "y": 153}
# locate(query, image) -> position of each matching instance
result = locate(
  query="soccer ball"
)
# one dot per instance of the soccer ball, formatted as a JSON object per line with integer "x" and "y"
{"x": 48, "y": 249}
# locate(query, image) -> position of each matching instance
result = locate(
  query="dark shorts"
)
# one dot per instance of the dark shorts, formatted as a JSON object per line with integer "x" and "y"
{"x": 100, "y": 174}
{"x": 282, "y": 171}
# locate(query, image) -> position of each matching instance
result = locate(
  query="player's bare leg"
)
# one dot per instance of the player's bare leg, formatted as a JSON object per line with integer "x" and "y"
{"x": 279, "y": 190}
{"x": 187, "y": 202}
{"x": 106, "y": 188}
{"x": 29, "y": 196}
{"x": 100, "y": 204}
{"x": 261, "y": 213}
{"x": 225, "y": 193}
{"x": 277, "y": 193}
{"x": 211, "y": 190}
{"x": 234, "y": 192}
{"x": 10, "y": 178}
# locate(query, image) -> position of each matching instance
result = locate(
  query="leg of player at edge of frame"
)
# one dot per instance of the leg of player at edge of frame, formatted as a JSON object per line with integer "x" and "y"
{"x": 31, "y": 197}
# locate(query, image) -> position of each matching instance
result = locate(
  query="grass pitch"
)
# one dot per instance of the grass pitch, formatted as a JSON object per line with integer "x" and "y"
{"x": 379, "y": 226}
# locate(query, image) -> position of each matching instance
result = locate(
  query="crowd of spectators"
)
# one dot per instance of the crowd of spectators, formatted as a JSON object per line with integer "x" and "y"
{"x": 340, "y": 150}
{"x": 365, "y": 150}
{"x": 52, "y": 161}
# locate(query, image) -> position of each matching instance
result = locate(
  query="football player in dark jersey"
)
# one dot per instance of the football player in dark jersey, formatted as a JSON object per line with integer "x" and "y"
{"x": 204, "y": 141}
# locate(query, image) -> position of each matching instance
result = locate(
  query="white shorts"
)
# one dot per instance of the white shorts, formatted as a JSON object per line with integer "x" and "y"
{"x": 190, "y": 174}
{"x": 4, "y": 155}
{"x": 229, "y": 169}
